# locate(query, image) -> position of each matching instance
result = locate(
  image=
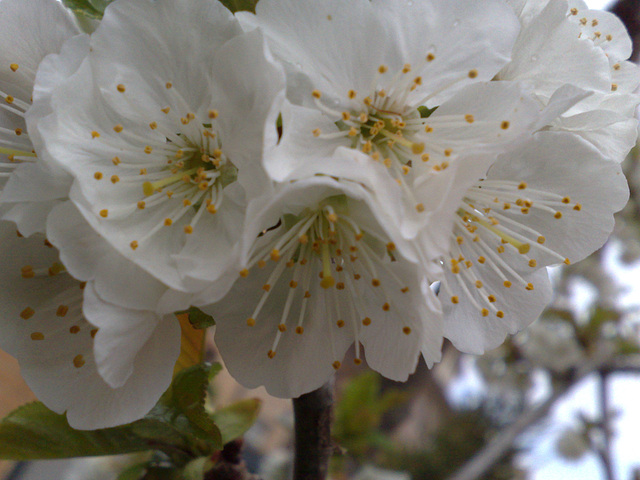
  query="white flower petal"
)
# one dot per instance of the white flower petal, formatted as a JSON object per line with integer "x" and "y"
{"x": 463, "y": 35}
{"x": 89, "y": 257}
{"x": 30, "y": 30}
{"x": 124, "y": 334}
{"x": 549, "y": 54}
{"x": 475, "y": 324}
{"x": 44, "y": 329}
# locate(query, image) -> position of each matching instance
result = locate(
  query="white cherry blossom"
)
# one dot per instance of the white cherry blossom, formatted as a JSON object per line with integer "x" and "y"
{"x": 551, "y": 201}
{"x": 166, "y": 147}
{"x": 46, "y": 326}
{"x": 43, "y": 326}
{"x": 322, "y": 271}
{"x": 407, "y": 85}
{"x": 564, "y": 43}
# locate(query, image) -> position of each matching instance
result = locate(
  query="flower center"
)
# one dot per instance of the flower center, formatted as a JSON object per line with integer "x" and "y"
{"x": 183, "y": 174}
{"x": 322, "y": 255}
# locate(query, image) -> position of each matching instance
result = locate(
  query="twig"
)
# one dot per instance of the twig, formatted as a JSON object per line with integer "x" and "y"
{"x": 501, "y": 443}
{"x": 604, "y": 453}
{"x": 313, "y": 414}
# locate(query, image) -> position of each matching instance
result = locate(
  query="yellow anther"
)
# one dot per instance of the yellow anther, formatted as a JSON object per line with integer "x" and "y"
{"x": 455, "y": 299}
{"x": 557, "y": 215}
{"x": 37, "y": 336}
{"x": 386, "y": 307}
{"x": 97, "y": 175}
{"x": 541, "y": 239}
{"x": 473, "y": 73}
{"x": 27, "y": 313}
{"x": 141, "y": 204}
{"x": 121, "y": 88}
{"x": 213, "y": 113}
{"x": 346, "y": 116}
{"x": 148, "y": 149}
{"x": 500, "y": 249}
{"x": 9, "y": 99}
{"x": 188, "y": 229}
{"x": 529, "y": 286}
{"x": 425, "y": 157}
{"x": 74, "y": 329}
{"x": 251, "y": 322}
{"x": 118, "y": 128}
{"x": 244, "y": 273}
{"x": 266, "y": 287}
{"x": 382, "y": 69}
{"x": 316, "y": 94}
{"x": 271, "y": 354}
{"x": 577, "y": 207}
{"x": 609, "y": 38}
{"x": 27, "y": 272}
{"x": 282, "y": 327}
{"x": 353, "y": 131}
{"x": 484, "y": 312}
{"x": 507, "y": 284}
{"x": 62, "y": 310}
{"x": 78, "y": 361}
{"x": 336, "y": 365}
{"x": 166, "y": 110}
{"x": 500, "y": 314}
{"x": 95, "y": 134}
{"x": 567, "y": 261}
{"x": 366, "y": 321}
{"x": 491, "y": 298}
{"x": 420, "y": 207}
{"x": 262, "y": 264}
{"x": 352, "y": 94}
{"x": 430, "y": 57}
{"x": 417, "y": 148}
{"x": 478, "y": 284}
{"x": 153, "y": 125}
{"x": 104, "y": 213}
{"x": 133, "y": 245}
{"x": 275, "y": 255}
{"x": 504, "y": 125}
{"x": 299, "y": 330}
{"x": 522, "y": 186}
{"x": 614, "y": 87}
{"x": 116, "y": 161}
{"x": 168, "y": 85}
{"x": 469, "y": 118}
{"x": 115, "y": 178}
{"x": 532, "y": 263}
{"x": 14, "y": 67}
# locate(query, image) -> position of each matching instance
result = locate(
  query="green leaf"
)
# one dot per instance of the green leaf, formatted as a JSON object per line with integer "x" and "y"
{"x": 134, "y": 472}
{"x": 234, "y": 420}
{"x": 88, "y": 8}
{"x": 238, "y": 5}
{"x": 196, "y": 469}
{"x": 35, "y": 432}
{"x": 197, "y": 318}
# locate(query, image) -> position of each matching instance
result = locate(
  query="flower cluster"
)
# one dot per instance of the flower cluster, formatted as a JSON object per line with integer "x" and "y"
{"x": 316, "y": 176}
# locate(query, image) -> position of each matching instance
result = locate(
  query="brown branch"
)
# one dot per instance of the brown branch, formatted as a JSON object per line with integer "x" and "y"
{"x": 313, "y": 413}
